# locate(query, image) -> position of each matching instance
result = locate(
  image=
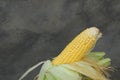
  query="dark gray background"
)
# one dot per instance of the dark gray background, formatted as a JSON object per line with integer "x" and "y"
{"x": 36, "y": 30}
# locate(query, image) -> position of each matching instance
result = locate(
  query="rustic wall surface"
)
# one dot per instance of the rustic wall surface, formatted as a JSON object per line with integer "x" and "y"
{"x": 36, "y": 30}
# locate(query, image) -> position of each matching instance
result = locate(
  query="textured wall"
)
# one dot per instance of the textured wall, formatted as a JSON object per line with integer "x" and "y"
{"x": 35, "y": 30}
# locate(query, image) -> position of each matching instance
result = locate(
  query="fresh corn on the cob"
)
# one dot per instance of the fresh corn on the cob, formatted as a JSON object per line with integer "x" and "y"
{"x": 76, "y": 61}
{"x": 79, "y": 47}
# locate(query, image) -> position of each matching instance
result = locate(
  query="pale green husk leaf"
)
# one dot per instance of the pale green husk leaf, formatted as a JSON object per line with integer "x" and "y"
{"x": 81, "y": 70}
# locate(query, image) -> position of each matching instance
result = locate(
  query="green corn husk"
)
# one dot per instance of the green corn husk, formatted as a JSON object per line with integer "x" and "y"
{"x": 93, "y": 67}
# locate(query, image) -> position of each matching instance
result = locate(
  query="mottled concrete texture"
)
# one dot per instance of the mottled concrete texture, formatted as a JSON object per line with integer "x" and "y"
{"x": 36, "y": 30}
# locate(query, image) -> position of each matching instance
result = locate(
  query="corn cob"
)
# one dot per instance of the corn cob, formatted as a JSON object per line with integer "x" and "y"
{"x": 79, "y": 47}
{"x": 74, "y": 62}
